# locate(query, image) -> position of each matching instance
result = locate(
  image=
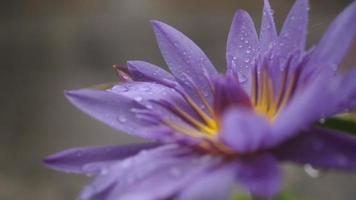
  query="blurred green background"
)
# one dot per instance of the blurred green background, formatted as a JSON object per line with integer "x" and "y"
{"x": 48, "y": 46}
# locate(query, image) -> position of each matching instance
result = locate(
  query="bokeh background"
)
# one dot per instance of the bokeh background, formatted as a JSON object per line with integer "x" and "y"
{"x": 47, "y": 46}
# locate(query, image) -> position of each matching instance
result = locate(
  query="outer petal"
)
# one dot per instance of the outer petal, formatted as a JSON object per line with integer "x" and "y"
{"x": 215, "y": 185}
{"x": 337, "y": 39}
{"x": 186, "y": 60}
{"x": 169, "y": 168}
{"x": 260, "y": 175}
{"x": 321, "y": 148}
{"x": 130, "y": 107}
{"x": 322, "y": 98}
{"x": 144, "y": 71}
{"x": 294, "y": 31}
{"x": 268, "y": 34}
{"x": 242, "y": 48}
{"x": 110, "y": 108}
{"x": 152, "y": 95}
{"x": 74, "y": 160}
{"x": 240, "y": 132}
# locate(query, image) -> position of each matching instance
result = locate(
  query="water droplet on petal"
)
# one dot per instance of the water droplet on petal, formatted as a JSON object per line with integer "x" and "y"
{"x": 104, "y": 171}
{"x": 311, "y": 171}
{"x": 322, "y": 120}
{"x": 120, "y": 88}
{"x": 122, "y": 119}
{"x": 145, "y": 88}
{"x": 242, "y": 78}
{"x": 138, "y": 98}
{"x": 126, "y": 163}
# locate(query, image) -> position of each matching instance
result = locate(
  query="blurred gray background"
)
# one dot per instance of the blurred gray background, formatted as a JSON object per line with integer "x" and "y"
{"x": 48, "y": 46}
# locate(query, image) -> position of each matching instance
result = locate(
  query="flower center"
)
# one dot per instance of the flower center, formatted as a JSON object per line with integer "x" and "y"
{"x": 263, "y": 96}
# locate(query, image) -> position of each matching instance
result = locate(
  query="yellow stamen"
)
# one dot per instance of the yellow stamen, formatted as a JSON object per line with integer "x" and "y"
{"x": 196, "y": 123}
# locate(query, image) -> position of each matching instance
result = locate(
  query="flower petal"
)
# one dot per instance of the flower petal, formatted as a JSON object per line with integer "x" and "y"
{"x": 152, "y": 96}
{"x": 321, "y": 148}
{"x": 294, "y": 31}
{"x": 337, "y": 39}
{"x": 215, "y": 185}
{"x": 324, "y": 97}
{"x": 74, "y": 160}
{"x": 240, "y": 132}
{"x": 110, "y": 108}
{"x": 147, "y": 72}
{"x": 268, "y": 34}
{"x": 228, "y": 93}
{"x": 242, "y": 48}
{"x": 260, "y": 175}
{"x": 186, "y": 60}
{"x": 169, "y": 168}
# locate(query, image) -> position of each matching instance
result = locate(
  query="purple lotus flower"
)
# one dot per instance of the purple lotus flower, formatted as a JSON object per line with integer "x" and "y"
{"x": 214, "y": 132}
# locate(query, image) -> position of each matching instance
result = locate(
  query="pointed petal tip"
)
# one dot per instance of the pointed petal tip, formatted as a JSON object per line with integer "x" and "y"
{"x": 51, "y": 161}
{"x": 69, "y": 93}
{"x": 73, "y": 95}
{"x": 156, "y": 24}
{"x": 133, "y": 63}
{"x": 240, "y": 12}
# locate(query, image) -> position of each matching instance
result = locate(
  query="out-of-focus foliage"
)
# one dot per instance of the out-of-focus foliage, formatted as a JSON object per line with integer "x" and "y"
{"x": 345, "y": 123}
{"x": 286, "y": 195}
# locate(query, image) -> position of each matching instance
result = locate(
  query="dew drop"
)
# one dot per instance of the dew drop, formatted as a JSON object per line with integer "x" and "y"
{"x": 138, "y": 98}
{"x": 126, "y": 163}
{"x": 145, "y": 88}
{"x": 122, "y": 119}
{"x": 248, "y": 51}
{"x": 322, "y": 120}
{"x": 242, "y": 78}
{"x": 311, "y": 171}
{"x": 104, "y": 171}
{"x": 121, "y": 88}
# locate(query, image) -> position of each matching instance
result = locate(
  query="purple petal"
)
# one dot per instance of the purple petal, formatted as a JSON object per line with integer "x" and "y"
{"x": 151, "y": 95}
{"x": 268, "y": 34}
{"x": 242, "y": 48}
{"x": 186, "y": 60}
{"x": 168, "y": 168}
{"x": 321, "y": 148}
{"x": 74, "y": 160}
{"x": 228, "y": 92}
{"x": 147, "y": 72}
{"x": 337, "y": 39}
{"x": 215, "y": 185}
{"x": 324, "y": 97}
{"x": 240, "y": 132}
{"x": 294, "y": 31}
{"x": 145, "y": 92}
{"x": 110, "y": 108}
{"x": 260, "y": 175}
